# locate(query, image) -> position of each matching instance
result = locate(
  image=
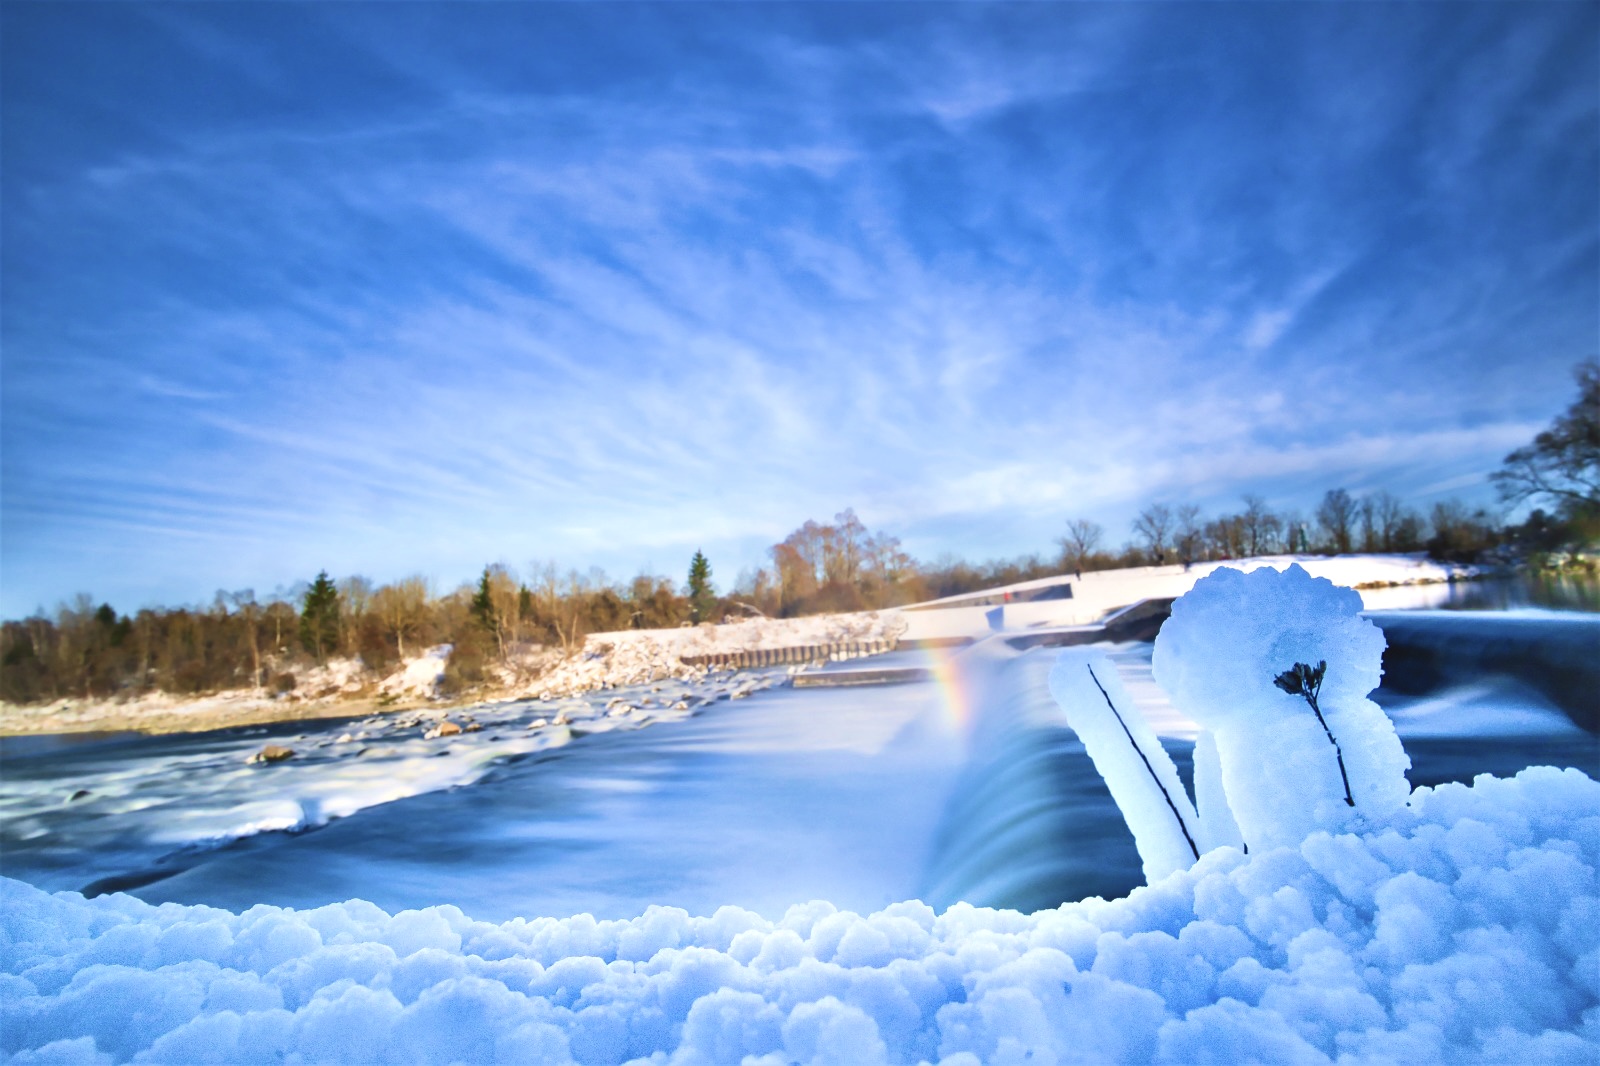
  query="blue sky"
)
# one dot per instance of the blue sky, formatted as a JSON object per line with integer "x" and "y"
{"x": 384, "y": 288}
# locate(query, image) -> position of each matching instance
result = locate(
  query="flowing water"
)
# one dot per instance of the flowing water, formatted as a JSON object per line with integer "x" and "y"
{"x": 966, "y": 787}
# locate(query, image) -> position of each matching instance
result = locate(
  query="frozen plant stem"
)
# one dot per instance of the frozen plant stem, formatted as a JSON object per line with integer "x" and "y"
{"x": 1306, "y": 681}
{"x": 1173, "y": 807}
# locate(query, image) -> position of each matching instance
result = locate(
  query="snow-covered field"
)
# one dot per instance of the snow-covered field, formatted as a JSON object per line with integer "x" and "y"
{"x": 1459, "y": 922}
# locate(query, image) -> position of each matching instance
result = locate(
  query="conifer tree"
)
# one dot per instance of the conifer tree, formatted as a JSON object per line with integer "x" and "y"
{"x": 319, "y": 617}
{"x": 483, "y": 603}
{"x": 702, "y": 600}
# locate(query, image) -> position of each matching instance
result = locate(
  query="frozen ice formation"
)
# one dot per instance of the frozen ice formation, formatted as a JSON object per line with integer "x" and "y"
{"x": 1219, "y": 657}
{"x": 1136, "y": 769}
{"x": 1461, "y": 929}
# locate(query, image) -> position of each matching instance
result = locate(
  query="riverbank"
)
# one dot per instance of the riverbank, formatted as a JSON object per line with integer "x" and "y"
{"x": 344, "y": 689}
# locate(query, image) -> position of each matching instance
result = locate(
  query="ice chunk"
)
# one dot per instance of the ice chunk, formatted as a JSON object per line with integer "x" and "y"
{"x": 1136, "y": 769}
{"x": 1219, "y": 658}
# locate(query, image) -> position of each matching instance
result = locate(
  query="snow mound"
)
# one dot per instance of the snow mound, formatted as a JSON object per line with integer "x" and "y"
{"x": 1461, "y": 929}
{"x": 420, "y": 677}
{"x": 1284, "y": 757}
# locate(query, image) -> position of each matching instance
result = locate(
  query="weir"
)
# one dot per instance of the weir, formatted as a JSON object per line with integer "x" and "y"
{"x": 836, "y": 651}
{"x": 1029, "y": 823}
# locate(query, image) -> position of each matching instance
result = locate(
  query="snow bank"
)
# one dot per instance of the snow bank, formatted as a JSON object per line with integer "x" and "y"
{"x": 419, "y": 678}
{"x": 1462, "y": 928}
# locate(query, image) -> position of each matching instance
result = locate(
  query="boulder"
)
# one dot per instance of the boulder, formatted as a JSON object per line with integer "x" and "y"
{"x": 272, "y": 753}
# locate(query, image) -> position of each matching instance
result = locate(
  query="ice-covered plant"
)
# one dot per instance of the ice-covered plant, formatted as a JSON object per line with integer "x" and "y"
{"x": 1128, "y": 755}
{"x": 1221, "y": 658}
{"x": 1304, "y": 680}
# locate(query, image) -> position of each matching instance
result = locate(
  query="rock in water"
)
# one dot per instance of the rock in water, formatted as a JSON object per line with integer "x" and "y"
{"x": 1219, "y": 658}
{"x": 272, "y": 753}
{"x": 446, "y": 728}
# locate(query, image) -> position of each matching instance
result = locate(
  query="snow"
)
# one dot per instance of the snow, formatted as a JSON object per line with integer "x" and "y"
{"x": 419, "y": 678}
{"x": 640, "y": 656}
{"x": 1460, "y": 928}
{"x": 1140, "y": 775}
{"x": 1217, "y": 658}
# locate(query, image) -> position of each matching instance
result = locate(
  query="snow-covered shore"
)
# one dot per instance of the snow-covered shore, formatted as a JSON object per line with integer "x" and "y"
{"x": 342, "y": 689}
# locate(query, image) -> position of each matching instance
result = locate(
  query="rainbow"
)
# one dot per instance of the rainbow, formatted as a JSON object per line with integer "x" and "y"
{"x": 953, "y": 683}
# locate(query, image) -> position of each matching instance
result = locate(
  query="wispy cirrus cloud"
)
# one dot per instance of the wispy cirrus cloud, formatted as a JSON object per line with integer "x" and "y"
{"x": 402, "y": 294}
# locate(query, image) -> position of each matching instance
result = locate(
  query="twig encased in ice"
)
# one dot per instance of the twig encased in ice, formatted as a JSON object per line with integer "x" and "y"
{"x": 1137, "y": 771}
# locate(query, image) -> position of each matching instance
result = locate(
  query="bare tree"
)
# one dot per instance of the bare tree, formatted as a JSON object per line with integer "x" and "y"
{"x": 355, "y": 600}
{"x": 1262, "y": 528}
{"x": 1336, "y": 515}
{"x": 848, "y": 546}
{"x": 1371, "y": 533}
{"x": 1388, "y": 513}
{"x": 1082, "y": 538}
{"x": 1188, "y": 534}
{"x": 1226, "y": 537}
{"x": 1154, "y": 526}
{"x": 1563, "y": 463}
{"x": 401, "y": 608}
{"x": 249, "y": 612}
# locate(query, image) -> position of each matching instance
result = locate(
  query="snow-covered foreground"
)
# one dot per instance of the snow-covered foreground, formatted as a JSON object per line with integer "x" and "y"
{"x": 1462, "y": 930}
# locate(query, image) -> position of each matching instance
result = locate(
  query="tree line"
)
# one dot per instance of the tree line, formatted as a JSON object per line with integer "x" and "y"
{"x": 242, "y": 641}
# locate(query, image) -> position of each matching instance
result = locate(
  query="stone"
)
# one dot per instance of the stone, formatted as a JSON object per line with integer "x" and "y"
{"x": 272, "y": 753}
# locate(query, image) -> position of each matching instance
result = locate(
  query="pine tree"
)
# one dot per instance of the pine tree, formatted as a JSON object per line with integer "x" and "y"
{"x": 319, "y": 617}
{"x": 483, "y": 603}
{"x": 702, "y": 600}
